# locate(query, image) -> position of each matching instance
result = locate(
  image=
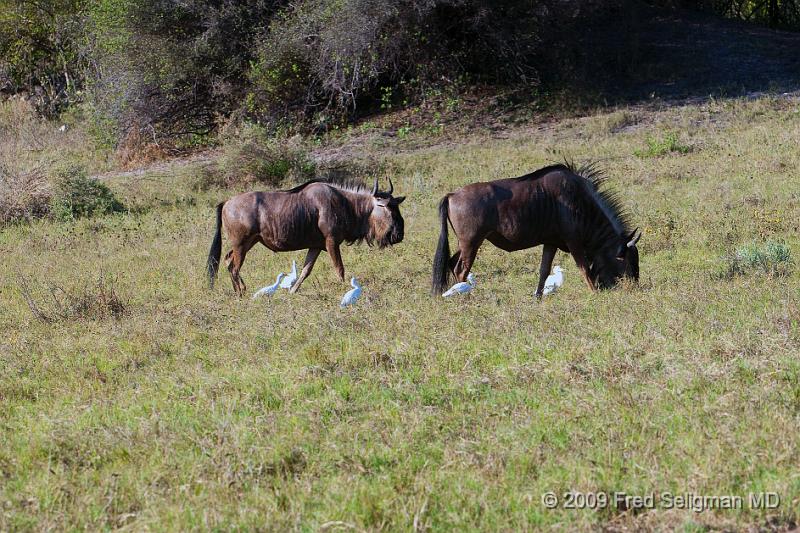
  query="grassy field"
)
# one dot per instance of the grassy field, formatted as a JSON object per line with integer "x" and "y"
{"x": 186, "y": 409}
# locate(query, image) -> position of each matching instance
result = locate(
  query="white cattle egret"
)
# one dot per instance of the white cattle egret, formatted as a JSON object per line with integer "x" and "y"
{"x": 289, "y": 280}
{"x": 553, "y": 281}
{"x": 269, "y": 290}
{"x": 352, "y": 295}
{"x": 462, "y": 287}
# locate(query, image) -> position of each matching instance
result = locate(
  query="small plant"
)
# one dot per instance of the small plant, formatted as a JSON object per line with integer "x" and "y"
{"x": 403, "y": 131}
{"x": 772, "y": 258}
{"x": 618, "y": 121}
{"x": 658, "y": 147}
{"x": 452, "y": 104}
{"x": 386, "y": 98}
{"x": 78, "y": 196}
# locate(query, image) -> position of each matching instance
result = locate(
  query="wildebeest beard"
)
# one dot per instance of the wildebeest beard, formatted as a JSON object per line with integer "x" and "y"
{"x": 382, "y": 236}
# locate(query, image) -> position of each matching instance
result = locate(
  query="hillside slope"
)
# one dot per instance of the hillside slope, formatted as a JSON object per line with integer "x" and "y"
{"x": 133, "y": 397}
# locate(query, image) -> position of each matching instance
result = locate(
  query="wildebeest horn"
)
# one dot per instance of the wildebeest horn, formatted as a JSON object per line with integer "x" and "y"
{"x": 635, "y": 239}
{"x": 391, "y": 187}
{"x": 375, "y": 187}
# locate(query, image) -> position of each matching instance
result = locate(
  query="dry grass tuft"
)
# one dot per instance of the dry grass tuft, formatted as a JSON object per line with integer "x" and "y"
{"x": 137, "y": 150}
{"x": 24, "y": 194}
{"x": 53, "y": 303}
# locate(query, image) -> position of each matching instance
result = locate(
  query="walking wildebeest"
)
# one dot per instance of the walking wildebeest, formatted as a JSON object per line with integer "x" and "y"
{"x": 557, "y": 206}
{"x": 318, "y": 215}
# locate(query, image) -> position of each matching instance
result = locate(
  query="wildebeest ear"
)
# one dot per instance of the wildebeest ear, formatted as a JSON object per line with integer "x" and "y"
{"x": 632, "y": 240}
{"x": 397, "y": 200}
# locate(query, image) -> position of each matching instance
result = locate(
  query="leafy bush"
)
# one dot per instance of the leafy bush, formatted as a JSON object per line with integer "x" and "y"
{"x": 657, "y": 147}
{"x": 76, "y": 196}
{"x": 322, "y": 60}
{"x": 170, "y": 68}
{"x": 772, "y": 258}
{"x": 41, "y": 51}
{"x": 252, "y": 156}
{"x": 163, "y": 70}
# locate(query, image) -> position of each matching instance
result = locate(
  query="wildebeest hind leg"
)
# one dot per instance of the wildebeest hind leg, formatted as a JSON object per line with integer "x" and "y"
{"x": 235, "y": 259}
{"x": 468, "y": 253}
{"x": 454, "y": 261}
{"x": 548, "y": 254}
{"x": 311, "y": 258}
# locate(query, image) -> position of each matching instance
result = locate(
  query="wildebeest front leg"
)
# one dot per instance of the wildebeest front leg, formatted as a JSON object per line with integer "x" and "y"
{"x": 311, "y": 258}
{"x": 548, "y": 254}
{"x": 332, "y": 248}
{"x": 576, "y": 250}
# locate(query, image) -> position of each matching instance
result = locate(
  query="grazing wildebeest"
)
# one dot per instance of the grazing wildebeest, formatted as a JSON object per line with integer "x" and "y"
{"x": 317, "y": 215}
{"x": 557, "y": 206}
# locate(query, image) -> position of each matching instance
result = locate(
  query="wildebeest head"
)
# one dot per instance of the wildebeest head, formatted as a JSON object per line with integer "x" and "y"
{"x": 614, "y": 263}
{"x": 386, "y": 226}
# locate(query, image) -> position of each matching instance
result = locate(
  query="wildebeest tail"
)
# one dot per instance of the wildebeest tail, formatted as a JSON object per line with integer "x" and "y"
{"x": 441, "y": 267}
{"x": 215, "y": 253}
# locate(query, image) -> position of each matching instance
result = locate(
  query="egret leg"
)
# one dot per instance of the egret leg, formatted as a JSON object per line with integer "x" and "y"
{"x": 548, "y": 254}
{"x": 311, "y": 258}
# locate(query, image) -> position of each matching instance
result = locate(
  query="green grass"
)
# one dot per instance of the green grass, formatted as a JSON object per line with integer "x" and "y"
{"x": 191, "y": 409}
{"x": 657, "y": 147}
{"x": 772, "y": 258}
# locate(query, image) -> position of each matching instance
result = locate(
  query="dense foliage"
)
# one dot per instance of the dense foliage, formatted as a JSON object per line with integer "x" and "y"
{"x": 42, "y": 50}
{"x": 176, "y": 67}
{"x": 773, "y": 13}
{"x": 169, "y": 69}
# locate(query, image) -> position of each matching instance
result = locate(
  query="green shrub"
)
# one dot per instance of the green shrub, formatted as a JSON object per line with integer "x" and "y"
{"x": 772, "y": 258}
{"x": 325, "y": 61}
{"x": 251, "y": 156}
{"x": 76, "y": 196}
{"x": 172, "y": 68}
{"x": 41, "y": 51}
{"x": 657, "y": 147}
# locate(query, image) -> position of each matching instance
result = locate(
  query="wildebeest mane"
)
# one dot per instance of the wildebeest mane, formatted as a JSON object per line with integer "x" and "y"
{"x": 346, "y": 184}
{"x": 607, "y": 198}
{"x": 542, "y": 171}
